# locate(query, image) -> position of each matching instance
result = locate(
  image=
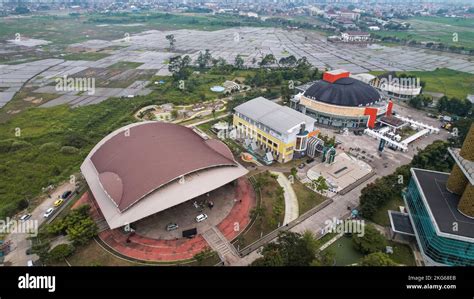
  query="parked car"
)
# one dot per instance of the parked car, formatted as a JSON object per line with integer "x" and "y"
{"x": 48, "y": 212}
{"x": 171, "y": 226}
{"x": 58, "y": 202}
{"x": 66, "y": 194}
{"x": 201, "y": 217}
{"x": 25, "y": 217}
{"x": 301, "y": 166}
{"x": 30, "y": 263}
{"x": 310, "y": 160}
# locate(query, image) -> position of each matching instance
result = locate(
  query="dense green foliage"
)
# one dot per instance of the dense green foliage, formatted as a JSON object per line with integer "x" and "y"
{"x": 51, "y": 145}
{"x": 420, "y": 101}
{"x": 461, "y": 107}
{"x": 78, "y": 226}
{"x": 293, "y": 249}
{"x": 377, "y": 259}
{"x": 60, "y": 252}
{"x": 371, "y": 241}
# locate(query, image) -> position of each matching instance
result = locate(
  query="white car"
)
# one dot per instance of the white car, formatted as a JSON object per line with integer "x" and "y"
{"x": 25, "y": 217}
{"x": 48, "y": 212}
{"x": 201, "y": 217}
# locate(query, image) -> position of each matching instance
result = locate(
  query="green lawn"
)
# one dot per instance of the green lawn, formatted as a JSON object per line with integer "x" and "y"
{"x": 307, "y": 199}
{"x": 402, "y": 254}
{"x": 381, "y": 216}
{"x": 437, "y": 29}
{"x": 92, "y": 254}
{"x": 264, "y": 224}
{"x": 450, "y": 82}
{"x": 345, "y": 253}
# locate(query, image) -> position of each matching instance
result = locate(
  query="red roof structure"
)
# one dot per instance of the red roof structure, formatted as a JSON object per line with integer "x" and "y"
{"x": 146, "y": 157}
{"x": 147, "y": 167}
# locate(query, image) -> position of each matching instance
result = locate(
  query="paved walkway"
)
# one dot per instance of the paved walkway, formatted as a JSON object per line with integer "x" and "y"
{"x": 239, "y": 217}
{"x": 291, "y": 201}
{"x": 337, "y": 209}
{"x": 219, "y": 243}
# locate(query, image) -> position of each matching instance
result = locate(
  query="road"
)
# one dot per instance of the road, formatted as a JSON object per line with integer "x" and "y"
{"x": 20, "y": 243}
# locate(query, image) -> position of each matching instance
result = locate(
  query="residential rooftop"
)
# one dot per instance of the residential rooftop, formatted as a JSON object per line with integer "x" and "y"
{"x": 279, "y": 118}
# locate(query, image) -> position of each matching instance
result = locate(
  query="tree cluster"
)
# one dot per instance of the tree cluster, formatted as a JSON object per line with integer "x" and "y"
{"x": 294, "y": 249}
{"x": 77, "y": 225}
{"x": 461, "y": 107}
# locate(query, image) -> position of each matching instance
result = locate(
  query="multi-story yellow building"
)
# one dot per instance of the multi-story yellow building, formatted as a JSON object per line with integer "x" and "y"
{"x": 273, "y": 128}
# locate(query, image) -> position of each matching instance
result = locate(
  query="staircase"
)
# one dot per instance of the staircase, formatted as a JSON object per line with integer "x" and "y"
{"x": 102, "y": 225}
{"x": 219, "y": 243}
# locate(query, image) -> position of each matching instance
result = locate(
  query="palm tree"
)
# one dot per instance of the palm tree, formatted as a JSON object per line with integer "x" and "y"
{"x": 171, "y": 40}
{"x": 320, "y": 184}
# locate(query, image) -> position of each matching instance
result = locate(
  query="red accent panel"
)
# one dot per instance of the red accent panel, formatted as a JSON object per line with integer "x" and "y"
{"x": 389, "y": 108}
{"x": 327, "y": 76}
{"x": 372, "y": 113}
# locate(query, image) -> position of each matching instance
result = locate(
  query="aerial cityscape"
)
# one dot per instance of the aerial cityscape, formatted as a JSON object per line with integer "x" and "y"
{"x": 237, "y": 133}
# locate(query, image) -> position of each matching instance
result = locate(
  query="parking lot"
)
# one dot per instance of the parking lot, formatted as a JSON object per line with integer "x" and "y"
{"x": 184, "y": 215}
{"x": 365, "y": 147}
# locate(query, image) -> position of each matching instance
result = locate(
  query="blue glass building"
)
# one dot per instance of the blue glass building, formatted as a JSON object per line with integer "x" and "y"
{"x": 445, "y": 235}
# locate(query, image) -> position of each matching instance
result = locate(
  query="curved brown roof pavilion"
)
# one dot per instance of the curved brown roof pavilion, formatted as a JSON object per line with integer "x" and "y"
{"x": 141, "y": 165}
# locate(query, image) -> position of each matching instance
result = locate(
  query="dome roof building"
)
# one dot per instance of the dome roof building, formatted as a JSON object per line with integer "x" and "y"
{"x": 341, "y": 101}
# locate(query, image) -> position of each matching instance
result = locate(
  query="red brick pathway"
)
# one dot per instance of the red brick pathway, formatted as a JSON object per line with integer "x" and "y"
{"x": 240, "y": 212}
{"x": 148, "y": 249}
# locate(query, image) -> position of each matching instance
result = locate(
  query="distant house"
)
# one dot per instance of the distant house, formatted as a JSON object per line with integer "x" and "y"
{"x": 248, "y": 14}
{"x": 355, "y": 36}
{"x": 374, "y": 28}
{"x": 331, "y": 14}
{"x": 349, "y": 14}
{"x": 347, "y": 24}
